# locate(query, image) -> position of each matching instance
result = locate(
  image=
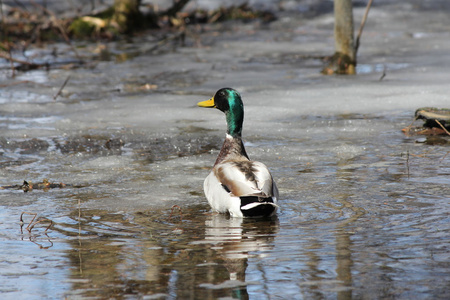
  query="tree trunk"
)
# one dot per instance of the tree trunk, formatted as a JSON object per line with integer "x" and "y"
{"x": 127, "y": 15}
{"x": 344, "y": 59}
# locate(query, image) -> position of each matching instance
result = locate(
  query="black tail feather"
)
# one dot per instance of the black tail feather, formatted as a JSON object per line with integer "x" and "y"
{"x": 264, "y": 208}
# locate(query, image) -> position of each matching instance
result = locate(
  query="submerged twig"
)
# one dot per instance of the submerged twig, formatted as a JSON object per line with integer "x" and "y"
{"x": 80, "y": 258}
{"x": 33, "y": 223}
{"x": 41, "y": 219}
{"x": 62, "y": 87}
{"x": 407, "y": 163}
{"x": 22, "y": 222}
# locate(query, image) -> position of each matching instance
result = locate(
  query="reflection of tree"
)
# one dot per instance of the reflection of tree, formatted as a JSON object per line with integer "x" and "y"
{"x": 343, "y": 233}
{"x": 344, "y": 261}
{"x": 316, "y": 275}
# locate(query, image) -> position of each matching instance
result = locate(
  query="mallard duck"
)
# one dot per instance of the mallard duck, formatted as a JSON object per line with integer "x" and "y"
{"x": 237, "y": 185}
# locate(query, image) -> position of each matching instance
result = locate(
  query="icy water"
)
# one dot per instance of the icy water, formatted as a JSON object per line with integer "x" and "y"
{"x": 364, "y": 209}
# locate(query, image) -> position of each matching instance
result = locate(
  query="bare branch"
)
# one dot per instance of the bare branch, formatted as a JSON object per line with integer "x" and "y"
{"x": 361, "y": 27}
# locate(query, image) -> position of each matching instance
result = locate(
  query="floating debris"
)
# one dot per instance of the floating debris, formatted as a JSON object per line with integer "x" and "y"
{"x": 437, "y": 122}
{"x": 434, "y": 117}
{"x": 27, "y": 186}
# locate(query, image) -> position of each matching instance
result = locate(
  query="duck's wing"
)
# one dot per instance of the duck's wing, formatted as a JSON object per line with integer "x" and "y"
{"x": 245, "y": 178}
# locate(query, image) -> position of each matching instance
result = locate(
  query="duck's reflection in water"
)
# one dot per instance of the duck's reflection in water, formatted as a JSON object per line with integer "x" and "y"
{"x": 235, "y": 240}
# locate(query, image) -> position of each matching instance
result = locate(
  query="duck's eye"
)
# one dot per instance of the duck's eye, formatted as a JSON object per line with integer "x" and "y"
{"x": 222, "y": 94}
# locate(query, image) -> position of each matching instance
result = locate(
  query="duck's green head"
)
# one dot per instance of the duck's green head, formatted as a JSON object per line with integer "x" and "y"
{"x": 229, "y": 101}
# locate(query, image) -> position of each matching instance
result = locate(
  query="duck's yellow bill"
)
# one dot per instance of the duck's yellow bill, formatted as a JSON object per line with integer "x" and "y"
{"x": 207, "y": 103}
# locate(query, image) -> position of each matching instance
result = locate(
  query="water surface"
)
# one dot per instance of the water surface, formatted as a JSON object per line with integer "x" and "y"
{"x": 364, "y": 211}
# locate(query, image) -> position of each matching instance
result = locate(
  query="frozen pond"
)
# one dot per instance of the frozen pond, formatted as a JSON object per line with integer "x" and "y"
{"x": 364, "y": 208}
